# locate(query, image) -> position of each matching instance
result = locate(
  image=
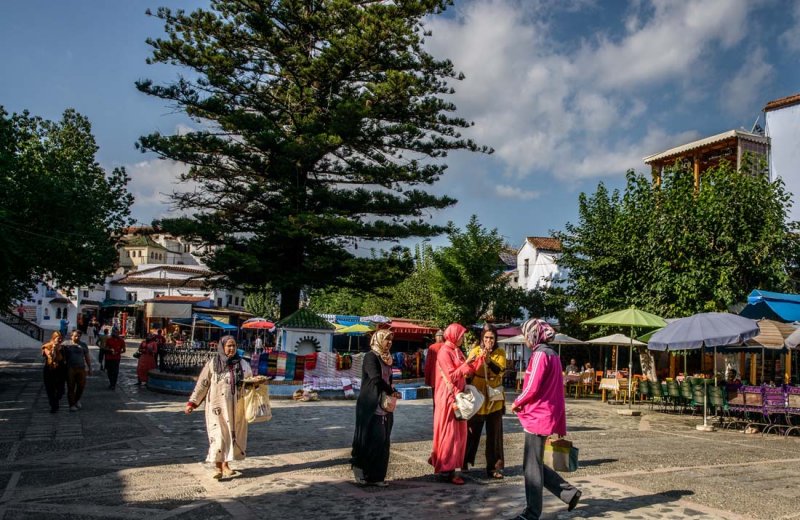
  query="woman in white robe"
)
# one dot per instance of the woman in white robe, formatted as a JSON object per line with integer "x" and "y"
{"x": 221, "y": 384}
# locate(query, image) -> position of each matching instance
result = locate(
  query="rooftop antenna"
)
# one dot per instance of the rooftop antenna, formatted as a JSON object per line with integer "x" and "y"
{"x": 756, "y": 127}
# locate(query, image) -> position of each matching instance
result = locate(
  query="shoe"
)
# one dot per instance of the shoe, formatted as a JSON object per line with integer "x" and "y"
{"x": 457, "y": 480}
{"x": 217, "y": 475}
{"x": 381, "y": 484}
{"x": 230, "y": 473}
{"x": 573, "y": 502}
{"x": 496, "y": 474}
{"x": 73, "y": 408}
{"x": 361, "y": 481}
{"x": 78, "y": 405}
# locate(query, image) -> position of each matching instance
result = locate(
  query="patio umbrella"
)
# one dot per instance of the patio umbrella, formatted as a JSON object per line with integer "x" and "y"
{"x": 772, "y": 336}
{"x": 356, "y": 329}
{"x": 707, "y": 329}
{"x": 631, "y": 317}
{"x": 258, "y": 323}
{"x": 376, "y": 318}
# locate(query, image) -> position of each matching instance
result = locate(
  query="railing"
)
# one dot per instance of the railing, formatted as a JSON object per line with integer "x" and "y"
{"x": 21, "y": 324}
{"x": 184, "y": 361}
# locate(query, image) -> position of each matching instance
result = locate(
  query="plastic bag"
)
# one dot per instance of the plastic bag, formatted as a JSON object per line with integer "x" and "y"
{"x": 560, "y": 455}
{"x": 256, "y": 404}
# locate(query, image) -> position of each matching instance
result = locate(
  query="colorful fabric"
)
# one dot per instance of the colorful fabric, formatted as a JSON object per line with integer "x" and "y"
{"x": 263, "y": 364}
{"x": 254, "y": 362}
{"x": 347, "y": 386}
{"x": 291, "y": 362}
{"x": 299, "y": 368}
{"x": 311, "y": 361}
{"x": 280, "y": 373}
{"x": 272, "y": 364}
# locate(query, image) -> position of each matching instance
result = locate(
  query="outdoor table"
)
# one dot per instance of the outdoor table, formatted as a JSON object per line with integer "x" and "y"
{"x": 614, "y": 384}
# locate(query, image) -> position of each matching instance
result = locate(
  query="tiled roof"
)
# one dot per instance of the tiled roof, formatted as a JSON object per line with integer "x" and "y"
{"x": 161, "y": 282}
{"x": 305, "y": 319}
{"x": 509, "y": 258}
{"x": 783, "y": 102}
{"x": 545, "y": 243}
{"x": 180, "y": 299}
{"x": 141, "y": 241}
{"x": 170, "y": 267}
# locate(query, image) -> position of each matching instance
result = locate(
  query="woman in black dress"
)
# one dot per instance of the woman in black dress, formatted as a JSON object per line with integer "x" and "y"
{"x": 371, "y": 440}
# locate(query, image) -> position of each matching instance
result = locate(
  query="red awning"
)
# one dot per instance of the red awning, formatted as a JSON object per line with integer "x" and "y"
{"x": 509, "y": 332}
{"x": 411, "y": 329}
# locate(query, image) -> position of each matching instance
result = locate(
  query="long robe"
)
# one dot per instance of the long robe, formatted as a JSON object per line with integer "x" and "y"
{"x": 147, "y": 359}
{"x": 371, "y": 436}
{"x": 226, "y": 423}
{"x": 449, "y": 433}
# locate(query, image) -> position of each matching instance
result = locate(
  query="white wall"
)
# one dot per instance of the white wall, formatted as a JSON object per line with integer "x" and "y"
{"x": 12, "y": 338}
{"x": 783, "y": 128}
{"x": 543, "y": 269}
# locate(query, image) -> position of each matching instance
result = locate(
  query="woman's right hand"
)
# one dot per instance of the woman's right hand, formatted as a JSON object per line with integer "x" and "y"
{"x": 189, "y": 409}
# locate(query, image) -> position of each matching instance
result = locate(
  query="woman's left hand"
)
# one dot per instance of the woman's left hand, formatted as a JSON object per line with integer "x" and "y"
{"x": 396, "y": 394}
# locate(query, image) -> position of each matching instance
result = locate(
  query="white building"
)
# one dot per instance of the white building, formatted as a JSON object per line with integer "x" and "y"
{"x": 537, "y": 263}
{"x": 783, "y": 128}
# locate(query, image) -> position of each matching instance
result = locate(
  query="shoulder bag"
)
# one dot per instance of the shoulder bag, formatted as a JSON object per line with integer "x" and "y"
{"x": 467, "y": 403}
{"x": 388, "y": 402}
{"x": 494, "y": 393}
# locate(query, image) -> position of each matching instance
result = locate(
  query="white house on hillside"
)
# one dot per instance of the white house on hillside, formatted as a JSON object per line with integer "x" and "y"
{"x": 537, "y": 263}
{"x": 783, "y": 128}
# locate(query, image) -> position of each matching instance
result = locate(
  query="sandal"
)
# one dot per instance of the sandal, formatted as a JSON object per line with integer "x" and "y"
{"x": 230, "y": 473}
{"x": 457, "y": 480}
{"x": 497, "y": 474}
{"x": 217, "y": 475}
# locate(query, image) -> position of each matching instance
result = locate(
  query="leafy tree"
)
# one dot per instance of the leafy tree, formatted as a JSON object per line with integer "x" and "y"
{"x": 320, "y": 122}
{"x": 675, "y": 249}
{"x": 263, "y": 303}
{"x": 469, "y": 277}
{"x": 60, "y": 214}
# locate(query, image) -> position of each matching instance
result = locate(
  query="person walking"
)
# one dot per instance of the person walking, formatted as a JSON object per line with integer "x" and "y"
{"x": 91, "y": 333}
{"x": 114, "y": 347}
{"x": 541, "y": 411}
{"x": 79, "y": 365}
{"x": 372, "y": 436}
{"x": 221, "y": 385}
{"x": 450, "y": 433}
{"x": 52, "y": 369}
{"x": 492, "y": 411}
{"x": 148, "y": 349}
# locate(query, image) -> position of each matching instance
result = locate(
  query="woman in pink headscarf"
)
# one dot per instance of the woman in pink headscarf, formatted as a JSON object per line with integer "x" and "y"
{"x": 449, "y": 433}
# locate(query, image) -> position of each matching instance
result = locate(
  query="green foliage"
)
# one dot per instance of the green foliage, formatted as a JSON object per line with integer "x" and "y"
{"x": 263, "y": 303}
{"x": 675, "y": 250}
{"x": 469, "y": 281}
{"x": 320, "y": 121}
{"x": 60, "y": 214}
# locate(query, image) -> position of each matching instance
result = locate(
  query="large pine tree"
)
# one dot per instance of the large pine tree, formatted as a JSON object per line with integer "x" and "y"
{"x": 320, "y": 122}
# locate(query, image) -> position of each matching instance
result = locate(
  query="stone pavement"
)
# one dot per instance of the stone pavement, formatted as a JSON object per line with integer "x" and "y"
{"x": 133, "y": 454}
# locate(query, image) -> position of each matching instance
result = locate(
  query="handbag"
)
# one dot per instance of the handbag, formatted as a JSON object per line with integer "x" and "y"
{"x": 256, "y": 403}
{"x": 137, "y": 355}
{"x": 494, "y": 393}
{"x": 388, "y": 402}
{"x": 467, "y": 403}
{"x": 560, "y": 455}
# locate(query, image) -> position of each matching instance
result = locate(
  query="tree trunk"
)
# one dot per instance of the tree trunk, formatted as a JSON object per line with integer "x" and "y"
{"x": 290, "y": 300}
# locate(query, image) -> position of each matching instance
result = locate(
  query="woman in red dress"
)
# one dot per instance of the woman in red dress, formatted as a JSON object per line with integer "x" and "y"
{"x": 148, "y": 350}
{"x": 449, "y": 433}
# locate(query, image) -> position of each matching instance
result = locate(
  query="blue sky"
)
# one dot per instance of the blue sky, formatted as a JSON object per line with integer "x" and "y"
{"x": 568, "y": 93}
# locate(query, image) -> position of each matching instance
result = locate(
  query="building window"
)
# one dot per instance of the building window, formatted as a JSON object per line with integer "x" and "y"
{"x": 236, "y": 301}
{"x": 131, "y": 296}
{"x": 527, "y": 267}
{"x": 156, "y": 294}
{"x": 219, "y": 302}
{"x": 230, "y": 299}
{"x": 108, "y": 295}
{"x": 85, "y": 294}
{"x": 58, "y": 313}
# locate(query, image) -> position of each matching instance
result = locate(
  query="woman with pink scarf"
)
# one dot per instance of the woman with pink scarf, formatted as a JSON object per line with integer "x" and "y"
{"x": 449, "y": 433}
{"x": 541, "y": 411}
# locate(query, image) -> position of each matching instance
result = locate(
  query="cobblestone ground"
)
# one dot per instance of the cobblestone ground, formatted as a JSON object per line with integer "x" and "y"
{"x": 132, "y": 454}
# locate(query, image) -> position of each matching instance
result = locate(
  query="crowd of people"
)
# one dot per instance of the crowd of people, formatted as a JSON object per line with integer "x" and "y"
{"x": 539, "y": 407}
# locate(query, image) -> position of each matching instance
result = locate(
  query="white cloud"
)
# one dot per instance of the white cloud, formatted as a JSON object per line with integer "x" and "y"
{"x": 791, "y": 37}
{"x": 576, "y": 112}
{"x": 510, "y": 192}
{"x": 743, "y": 94}
{"x": 152, "y": 182}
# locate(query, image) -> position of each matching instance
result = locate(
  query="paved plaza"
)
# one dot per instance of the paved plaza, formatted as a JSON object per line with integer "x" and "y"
{"x": 133, "y": 454}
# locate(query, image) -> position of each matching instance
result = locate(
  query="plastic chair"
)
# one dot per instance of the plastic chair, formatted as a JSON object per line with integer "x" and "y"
{"x": 656, "y": 393}
{"x": 686, "y": 394}
{"x": 674, "y": 393}
{"x": 644, "y": 390}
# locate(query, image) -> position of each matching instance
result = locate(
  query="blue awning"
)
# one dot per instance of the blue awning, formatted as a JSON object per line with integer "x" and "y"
{"x": 758, "y": 295}
{"x": 772, "y": 310}
{"x": 204, "y": 319}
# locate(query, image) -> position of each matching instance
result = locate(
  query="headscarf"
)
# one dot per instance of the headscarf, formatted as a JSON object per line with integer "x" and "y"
{"x": 536, "y": 332}
{"x": 223, "y": 363}
{"x": 453, "y": 333}
{"x": 376, "y": 344}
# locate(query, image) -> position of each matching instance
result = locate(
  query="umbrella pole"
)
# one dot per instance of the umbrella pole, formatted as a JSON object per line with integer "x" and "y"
{"x": 715, "y": 365}
{"x": 630, "y": 372}
{"x": 191, "y": 341}
{"x": 762, "y": 364}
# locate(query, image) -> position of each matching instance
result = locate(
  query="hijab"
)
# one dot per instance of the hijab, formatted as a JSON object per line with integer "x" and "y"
{"x": 536, "y": 332}
{"x": 453, "y": 333}
{"x": 376, "y": 344}
{"x": 223, "y": 364}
